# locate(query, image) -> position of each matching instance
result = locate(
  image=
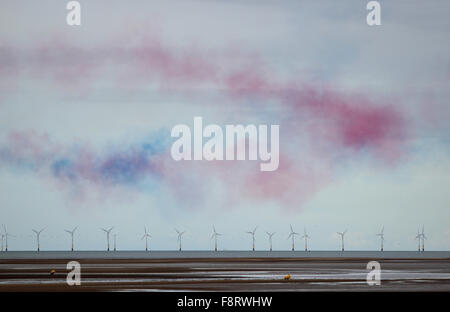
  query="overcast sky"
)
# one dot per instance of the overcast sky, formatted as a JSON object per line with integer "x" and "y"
{"x": 86, "y": 113}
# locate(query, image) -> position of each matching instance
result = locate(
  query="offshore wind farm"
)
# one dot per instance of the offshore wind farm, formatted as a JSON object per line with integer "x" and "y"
{"x": 420, "y": 238}
{"x": 265, "y": 269}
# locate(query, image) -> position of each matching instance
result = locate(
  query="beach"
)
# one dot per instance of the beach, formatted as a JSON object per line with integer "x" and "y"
{"x": 225, "y": 271}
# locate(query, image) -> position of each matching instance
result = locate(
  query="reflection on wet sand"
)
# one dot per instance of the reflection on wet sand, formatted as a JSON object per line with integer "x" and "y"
{"x": 224, "y": 274}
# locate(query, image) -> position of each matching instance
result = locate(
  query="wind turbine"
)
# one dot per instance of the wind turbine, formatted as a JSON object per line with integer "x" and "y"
{"x": 305, "y": 236}
{"x": 270, "y": 239}
{"x": 180, "y": 234}
{"x": 423, "y": 237}
{"x": 38, "y": 234}
{"x": 214, "y": 235}
{"x": 418, "y": 237}
{"x": 252, "y": 233}
{"x": 71, "y": 234}
{"x": 146, "y": 236}
{"x": 342, "y": 234}
{"x": 3, "y": 239}
{"x": 292, "y": 234}
{"x": 381, "y": 235}
{"x": 107, "y": 231}
{"x": 5, "y": 236}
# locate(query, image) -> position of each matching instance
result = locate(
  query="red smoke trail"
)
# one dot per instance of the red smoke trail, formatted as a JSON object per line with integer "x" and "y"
{"x": 334, "y": 120}
{"x": 353, "y": 118}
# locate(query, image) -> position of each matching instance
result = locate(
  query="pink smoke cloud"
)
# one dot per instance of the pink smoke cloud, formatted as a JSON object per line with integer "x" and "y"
{"x": 334, "y": 121}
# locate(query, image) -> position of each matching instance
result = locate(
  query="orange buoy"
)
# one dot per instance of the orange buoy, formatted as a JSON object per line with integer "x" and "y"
{"x": 52, "y": 272}
{"x": 287, "y": 277}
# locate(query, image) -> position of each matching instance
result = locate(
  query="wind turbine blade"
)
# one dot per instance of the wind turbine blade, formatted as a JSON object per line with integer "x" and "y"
{"x": 291, "y": 228}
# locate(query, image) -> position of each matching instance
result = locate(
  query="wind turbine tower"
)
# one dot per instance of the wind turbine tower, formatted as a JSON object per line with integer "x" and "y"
{"x": 270, "y": 239}
{"x": 252, "y": 233}
{"x": 38, "y": 235}
{"x": 306, "y": 237}
{"x": 292, "y": 235}
{"x": 146, "y": 236}
{"x": 342, "y": 234}
{"x": 418, "y": 237}
{"x": 115, "y": 237}
{"x": 71, "y": 233}
{"x": 381, "y": 235}
{"x": 5, "y": 236}
{"x": 214, "y": 235}
{"x": 423, "y": 237}
{"x": 180, "y": 234}
{"x": 107, "y": 231}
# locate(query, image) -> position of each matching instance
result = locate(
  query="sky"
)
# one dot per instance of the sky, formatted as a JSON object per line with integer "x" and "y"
{"x": 86, "y": 114}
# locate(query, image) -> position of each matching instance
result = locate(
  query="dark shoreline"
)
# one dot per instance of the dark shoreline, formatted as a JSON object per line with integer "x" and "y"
{"x": 225, "y": 274}
{"x": 191, "y": 254}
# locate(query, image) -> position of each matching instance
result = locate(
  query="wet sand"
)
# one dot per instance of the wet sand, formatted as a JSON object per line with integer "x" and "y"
{"x": 225, "y": 274}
